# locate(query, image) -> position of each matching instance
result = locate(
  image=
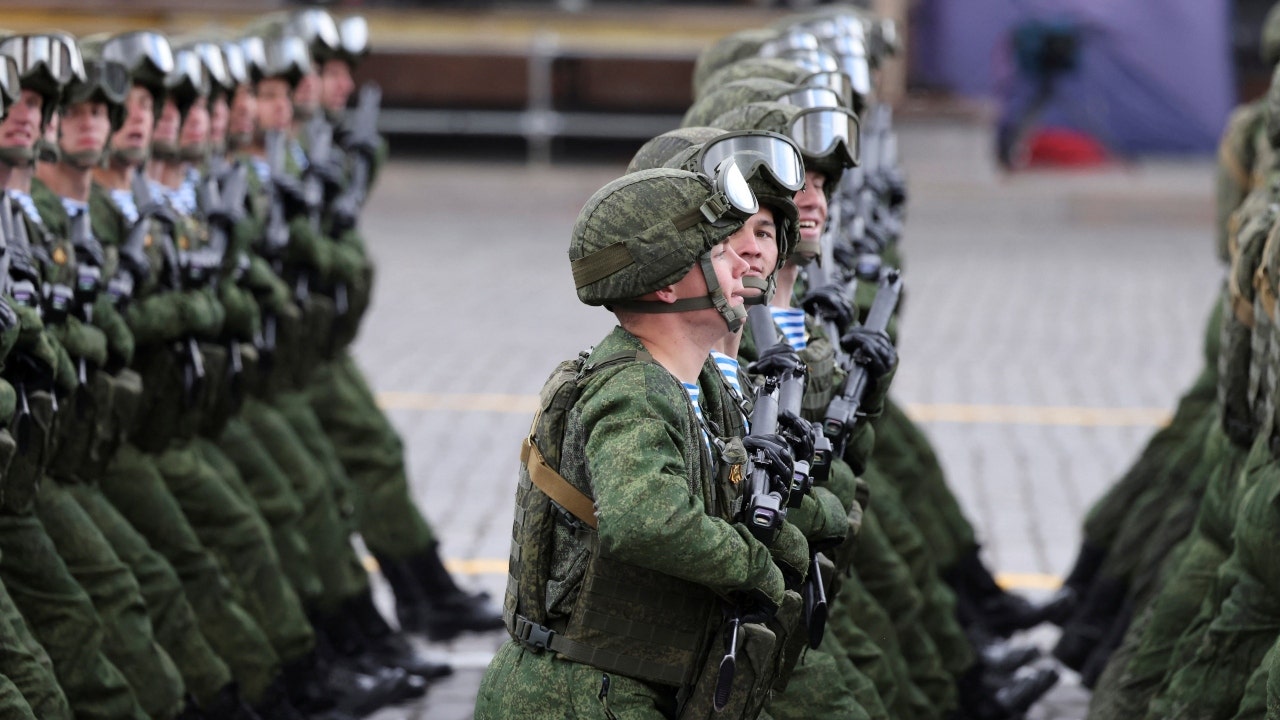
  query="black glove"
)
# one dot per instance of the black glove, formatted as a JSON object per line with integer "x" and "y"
{"x": 772, "y": 453}
{"x": 871, "y": 349}
{"x": 776, "y": 361}
{"x": 291, "y": 193}
{"x": 830, "y": 303}
{"x": 754, "y": 606}
{"x": 8, "y": 317}
{"x": 798, "y": 433}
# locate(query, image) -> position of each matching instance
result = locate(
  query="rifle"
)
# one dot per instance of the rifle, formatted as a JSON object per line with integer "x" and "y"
{"x": 89, "y": 261}
{"x": 319, "y": 153}
{"x": 790, "y": 395}
{"x": 363, "y": 143}
{"x": 172, "y": 277}
{"x": 25, "y": 287}
{"x": 223, "y": 205}
{"x": 842, "y": 413}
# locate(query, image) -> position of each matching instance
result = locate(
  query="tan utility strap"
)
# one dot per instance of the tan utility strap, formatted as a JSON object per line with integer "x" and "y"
{"x": 576, "y": 502}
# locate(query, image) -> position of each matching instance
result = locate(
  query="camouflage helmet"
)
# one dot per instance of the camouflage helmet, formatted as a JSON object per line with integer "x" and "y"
{"x": 789, "y": 120}
{"x": 190, "y": 79}
{"x": 659, "y": 150}
{"x": 726, "y": 51}
{"x": 272, "y": 52}
{"x": 646, "y": 231}
{"x": 46, "y": 63}
{"x": 145, "y": 54}
{"x": 773, "y": 68}
{"x": 724, "y": 98}
{"x": 1270, "y": 45}
{"x": 105, "y": 81}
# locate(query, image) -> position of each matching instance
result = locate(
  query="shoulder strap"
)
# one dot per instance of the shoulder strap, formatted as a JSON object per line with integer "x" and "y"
{"x": 576, "y": 502}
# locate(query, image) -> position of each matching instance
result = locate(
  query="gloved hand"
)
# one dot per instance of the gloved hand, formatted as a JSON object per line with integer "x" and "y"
{"x": 790, "y": 552}
{"x": 872, "y": 349}
{"x": 777, "y": 360}
{"x": 822, "y": 518}
{"x": 755, "y": 605}
{"x": 830, "y": 303}
{"x": 798, "y": 433}
{"x": 772, "y": 454}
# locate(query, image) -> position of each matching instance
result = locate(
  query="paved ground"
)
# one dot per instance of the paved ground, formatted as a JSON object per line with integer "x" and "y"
{"x": 1051, "y": 318}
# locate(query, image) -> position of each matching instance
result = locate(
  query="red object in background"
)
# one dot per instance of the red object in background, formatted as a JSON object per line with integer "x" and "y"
{"x": 1061, "y": 147}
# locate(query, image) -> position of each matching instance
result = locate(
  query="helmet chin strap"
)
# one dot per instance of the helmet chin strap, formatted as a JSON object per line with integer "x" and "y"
{"x": 83, "y": 160}
{"x": 17, "y": 156}
{"x": 165, "y": 151}
{"x": 734, "y": 316}
{"x": 131, "y": 156}
{"x": 767, "y": 287}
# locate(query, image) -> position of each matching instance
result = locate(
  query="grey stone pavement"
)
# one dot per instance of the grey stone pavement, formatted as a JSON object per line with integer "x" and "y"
{"x": 1033, "y": 293}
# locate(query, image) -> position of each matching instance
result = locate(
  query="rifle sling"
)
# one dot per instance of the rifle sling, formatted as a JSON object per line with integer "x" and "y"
{"x": 576, "y": 502}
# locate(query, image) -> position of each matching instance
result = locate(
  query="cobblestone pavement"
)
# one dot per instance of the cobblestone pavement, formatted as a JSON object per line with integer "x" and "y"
{"x": 1050, "y": 319}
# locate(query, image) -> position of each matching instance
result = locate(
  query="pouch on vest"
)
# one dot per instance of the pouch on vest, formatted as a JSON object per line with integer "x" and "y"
{"x": 759, "y": 658}
{"x": 22, "y": 479}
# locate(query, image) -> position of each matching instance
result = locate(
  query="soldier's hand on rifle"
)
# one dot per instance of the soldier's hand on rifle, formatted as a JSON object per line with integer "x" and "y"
{"x": 8, "y": 317}
{"x": 291, "y": 192}
{"x": 777, "y": 360}
{"x": 773, "y": 454}
{"x": 872, "y": 349}
{"x": 829, "y": 302}
{"x": 798, "y": 433}
{"x": 790, "y": 552}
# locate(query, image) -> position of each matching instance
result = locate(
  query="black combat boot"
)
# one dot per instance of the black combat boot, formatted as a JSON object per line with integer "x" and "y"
{"x": 385, "y": 644}
{"x": 429, "y": 602}
{"x": 1091, "y": 622}
{"x": 359, "y": 682}
{"x": 276, "y": 704}
{"x": 304, "y": 683}
{"x": 1001, "y": 612}
{"x": 984, "y": 699}
{"x": 191, "y": 710}
{"x": 1064, "y": 602}
{"x": 1101, "y": 655}
{"x": 1001, "y": 657}
{"x": 229, "y": 705}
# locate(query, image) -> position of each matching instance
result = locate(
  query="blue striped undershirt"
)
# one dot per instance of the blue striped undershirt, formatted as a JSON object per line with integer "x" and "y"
{"x": 728, "y": 368}
{"x": 128, "y": 206}
{"x": 694, "y": 394}
{"x": 28, "y": 206}
{"x": 791, "y": 322}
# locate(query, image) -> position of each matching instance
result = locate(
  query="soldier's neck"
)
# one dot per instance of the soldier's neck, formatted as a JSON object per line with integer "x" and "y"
{"x": 168, "y": 174}
{"x": 19, "y": 179}
{"x": 786, "y": 280}
{"x": 116, "y": 176}
{"x": 677, "y": 341}
{"x": 65, "y": 180}
{"x": 730, "y": 343}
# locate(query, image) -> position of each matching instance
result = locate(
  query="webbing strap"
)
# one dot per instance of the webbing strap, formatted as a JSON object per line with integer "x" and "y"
{"x": 576, "y": 502}
{"x": 600, "y": 264}
{"x": 1241, "y": 306}
{"x": 654, "y": 306}
{"x": 1228, "y": 161}
{"x": 1263, "y": 291}
{"x": 540, "y": 637}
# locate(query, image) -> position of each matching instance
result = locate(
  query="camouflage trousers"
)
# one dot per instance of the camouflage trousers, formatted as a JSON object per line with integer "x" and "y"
{"x": 129, "y": 638}
{"x": 30, "y": 687}
{"x": 329, "y": 573}
{"x": 372, "y": 453}
{"x": 136, "y": 488}
{"x": 228, "y": 525}
{"x": 523, "y": 684}
{"x": 819, "y": 688}
{"x": 63, "y": 620}
{"x": 905, "y": 457}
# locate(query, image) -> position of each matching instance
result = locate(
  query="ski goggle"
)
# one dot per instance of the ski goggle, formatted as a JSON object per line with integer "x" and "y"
{"x": 237, "y": 68}
{"x": 354, "y": 33}
{"x": 851, "y": 54}
{"x": 732, "y": 200}
{"x": 835, "y": 81}
{"x": 189, "y": 75}
{"x": 53, "y": 54}
{"x": 812, "y": 61}
{"x": 789, "y": 42}
{"x": 140, "y": 51}
{"x": 285, "y": 56}
{"x": 754, "y": 150}
{"x": 255, "y": 56}
{"x": 215, "y": 64}
{"x": 103, "y": 78}
{"x": 822, "y": 132}
{"x": 10, "y": 83}
{"x": 316, "y": 28}
{"x": 812, "y": 97}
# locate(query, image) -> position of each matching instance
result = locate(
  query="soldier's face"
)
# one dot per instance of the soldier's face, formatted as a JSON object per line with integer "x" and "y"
{"x": 21, "y": 127}
{"x": 275, "y": 109}
{"x": 244, "y": 112}
{"x": 139, "y": 120}
{"x": 195, "y": 128}
{"x": 756, "y": 243}
{"x": 338, "y": 84}
{"x": 730, "y": 269}
{"x": 84, "y": 127}
{"x": 309, "y": 90}
{"x": 812, "y": 204}
{"x": 219, "y": 116}
{"x": 167, "y": 126}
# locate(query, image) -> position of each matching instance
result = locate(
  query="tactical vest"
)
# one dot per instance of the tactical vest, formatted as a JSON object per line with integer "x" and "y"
{"x": 626, "y": 619}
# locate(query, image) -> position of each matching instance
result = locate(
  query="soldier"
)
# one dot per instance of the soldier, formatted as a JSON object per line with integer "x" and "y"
{"x": 635, "y": 444}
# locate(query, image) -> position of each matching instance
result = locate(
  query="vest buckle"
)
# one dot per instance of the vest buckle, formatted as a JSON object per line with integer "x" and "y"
{"x": 534, "y": 635}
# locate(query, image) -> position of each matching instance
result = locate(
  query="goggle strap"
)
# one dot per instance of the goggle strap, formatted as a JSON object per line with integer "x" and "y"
{"x": 600, "y": 264}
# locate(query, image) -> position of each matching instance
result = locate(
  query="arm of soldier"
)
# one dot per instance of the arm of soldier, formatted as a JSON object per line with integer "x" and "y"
{"x": 120, "y": 344}
{"x": 270, "y": 290}
{"x": 635, "y": 451}
{"x": 822, "y": 519}
{"x": 81, "y": 340}
{"x": 309, "y": 248}
{"x": 11, "y": 327}
{"x": 64, "y": 373}
{"x": 243, "y": 317}
{"x": 202, "y": 313}
{"x": 156, "y": 317}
